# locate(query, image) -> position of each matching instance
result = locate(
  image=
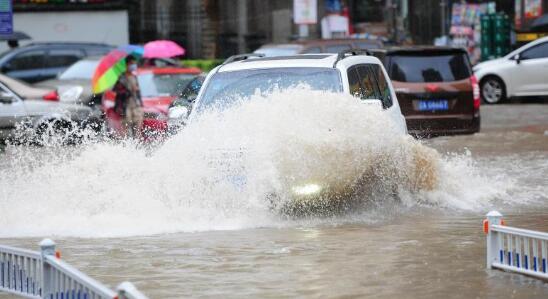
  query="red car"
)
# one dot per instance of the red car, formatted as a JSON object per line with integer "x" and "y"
{"x": 159, "y": 87}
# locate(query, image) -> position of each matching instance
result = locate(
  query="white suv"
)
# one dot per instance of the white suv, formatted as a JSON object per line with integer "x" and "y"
{"x": 523, "y": 72}
{"x": 354, "y": 72}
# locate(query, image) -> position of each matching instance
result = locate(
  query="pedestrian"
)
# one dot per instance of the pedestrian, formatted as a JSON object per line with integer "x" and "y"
{"x": 128, "y": 103}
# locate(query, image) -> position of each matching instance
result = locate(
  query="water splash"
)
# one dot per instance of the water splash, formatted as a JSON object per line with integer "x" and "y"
{"x": 222, "y": 171}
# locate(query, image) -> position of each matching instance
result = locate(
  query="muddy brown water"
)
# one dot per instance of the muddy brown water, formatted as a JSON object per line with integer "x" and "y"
{"x": 391, "y": 251}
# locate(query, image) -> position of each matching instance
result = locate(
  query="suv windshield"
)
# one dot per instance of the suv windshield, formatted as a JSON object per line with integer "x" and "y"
{"x": 82, "y": 69}
{"x": 429, "y": 67}
{"x": 227, "y": 88}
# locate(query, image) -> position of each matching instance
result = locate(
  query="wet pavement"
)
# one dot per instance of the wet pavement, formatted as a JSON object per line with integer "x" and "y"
{"x": 388, "y": 251}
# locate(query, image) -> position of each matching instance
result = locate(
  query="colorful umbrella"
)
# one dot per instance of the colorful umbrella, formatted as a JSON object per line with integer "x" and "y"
{"x": 162, "y": 49}
{"x": 111, "y": 66}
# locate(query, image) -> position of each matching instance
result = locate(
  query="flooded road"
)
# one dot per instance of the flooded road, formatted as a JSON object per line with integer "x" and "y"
{"x": 427, "y": 249}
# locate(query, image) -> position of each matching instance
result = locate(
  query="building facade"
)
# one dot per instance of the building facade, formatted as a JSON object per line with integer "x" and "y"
{"x": 100, "y": 21}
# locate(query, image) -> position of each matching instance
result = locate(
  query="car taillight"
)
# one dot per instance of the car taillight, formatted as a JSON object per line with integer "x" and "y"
{"x": 51, "y": 96}
{"x": 475, "y": 91}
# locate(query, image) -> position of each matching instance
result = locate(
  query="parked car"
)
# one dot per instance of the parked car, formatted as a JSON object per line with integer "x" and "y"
{"x": 523, "y": 72}
{"x": 436, "y": 88}
{"x": 159, "y": 87}
{"x": 317, "y": 46}
{"x": 32, "y": 114}
{"x": 41, "y": 61}
{"x": 74, "y": 83}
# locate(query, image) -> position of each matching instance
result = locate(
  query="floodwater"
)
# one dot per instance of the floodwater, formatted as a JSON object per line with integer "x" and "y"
{"x": 156, "y": 219}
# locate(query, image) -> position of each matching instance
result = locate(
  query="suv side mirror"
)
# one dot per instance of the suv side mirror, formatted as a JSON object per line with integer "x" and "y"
{"x": 6, "y": 98}
{"x": 517, "y": 58}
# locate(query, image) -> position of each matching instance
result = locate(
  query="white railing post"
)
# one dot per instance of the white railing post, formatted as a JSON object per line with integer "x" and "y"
{"x": 493, "y": 218}
{"x": 47, "y": 247}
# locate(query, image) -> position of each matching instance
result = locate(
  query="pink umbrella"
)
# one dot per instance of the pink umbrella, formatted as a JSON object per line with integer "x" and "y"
{"x": 162, "y": 49}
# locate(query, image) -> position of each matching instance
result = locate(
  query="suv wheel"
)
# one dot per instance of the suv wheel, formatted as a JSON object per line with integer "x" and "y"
{"x": 493, "y": 90}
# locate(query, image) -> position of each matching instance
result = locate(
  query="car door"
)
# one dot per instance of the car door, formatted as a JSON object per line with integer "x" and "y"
{"x": 60, "y": 59}
{"x": 374, "y": 85}
{"x": 12, "y": 111}
{"x": 27, "y": 66}
{"x": 531, "y": 73}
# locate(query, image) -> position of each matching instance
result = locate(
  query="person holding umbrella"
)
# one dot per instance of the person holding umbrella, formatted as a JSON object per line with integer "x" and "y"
{"x": 128, "y": 102}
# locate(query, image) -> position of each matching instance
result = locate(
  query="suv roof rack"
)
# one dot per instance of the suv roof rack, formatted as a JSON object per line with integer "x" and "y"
{"x": 240, "y": 57}
{"x": 350, "y": 52}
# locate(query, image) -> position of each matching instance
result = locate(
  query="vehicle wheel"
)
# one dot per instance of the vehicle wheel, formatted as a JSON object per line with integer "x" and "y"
{"x": 493, "y": 90}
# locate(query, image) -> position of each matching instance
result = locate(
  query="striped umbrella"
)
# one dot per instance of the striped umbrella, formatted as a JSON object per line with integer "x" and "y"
{"x": 111, "y": 66}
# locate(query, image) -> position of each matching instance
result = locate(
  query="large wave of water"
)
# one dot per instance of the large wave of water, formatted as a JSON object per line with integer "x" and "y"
{"x": 218, "y": 172}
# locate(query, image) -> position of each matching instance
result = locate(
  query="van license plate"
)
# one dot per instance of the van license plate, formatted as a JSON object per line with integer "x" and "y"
{"x": 434, "y": 105}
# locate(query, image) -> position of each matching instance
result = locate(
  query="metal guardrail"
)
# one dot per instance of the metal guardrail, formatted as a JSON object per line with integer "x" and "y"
{"x": 32, "y": 274}
{"x": 515, "y": 249}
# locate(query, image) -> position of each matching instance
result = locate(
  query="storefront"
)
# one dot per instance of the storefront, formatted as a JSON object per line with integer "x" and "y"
{"x": 382, "y": 18}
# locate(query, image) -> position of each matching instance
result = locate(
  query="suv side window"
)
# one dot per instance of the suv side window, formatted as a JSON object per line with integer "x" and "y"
{"x": 63, "y": 57}
{"x": 384, "y": 88}
{"x": 354, "y": 82}
{"x": 370, "y": 89}
{"x": 535, "y": 52}
{"x": 27, "y": 61}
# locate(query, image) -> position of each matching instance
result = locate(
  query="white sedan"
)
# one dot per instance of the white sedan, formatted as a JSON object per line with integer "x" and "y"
{"x": 523, "y": 72}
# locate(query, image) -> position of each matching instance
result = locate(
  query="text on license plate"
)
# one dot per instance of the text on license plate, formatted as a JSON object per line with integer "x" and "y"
{"x": 433, "y": 105}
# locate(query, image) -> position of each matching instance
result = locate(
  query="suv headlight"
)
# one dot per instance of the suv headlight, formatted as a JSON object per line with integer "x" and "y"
{"x": 307, "y": 189}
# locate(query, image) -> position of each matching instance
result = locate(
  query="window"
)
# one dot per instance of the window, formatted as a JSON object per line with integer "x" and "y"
{"x": 384, "y": 88}
{"x": 367, "y": 81}
{"x": 27, "y": 61}
{"x": 535, "y": 52}
{"x": 229, "y": 88}
{"x": 370, "y": 89}
{"x": 354, "y": 82}
{"x": 63, "y": 57}
{"x": 337, "y": 48}
{"x": 429, "y": 67}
